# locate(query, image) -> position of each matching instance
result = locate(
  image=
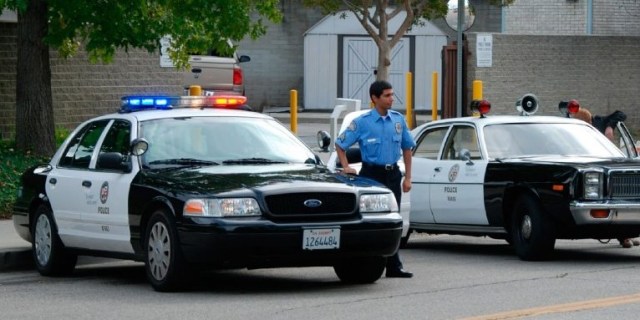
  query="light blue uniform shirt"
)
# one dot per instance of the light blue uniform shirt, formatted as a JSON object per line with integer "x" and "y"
{"x": 381, "y": 139}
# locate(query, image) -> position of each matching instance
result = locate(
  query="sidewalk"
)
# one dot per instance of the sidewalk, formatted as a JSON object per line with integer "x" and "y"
{"x": 15, "y": 253}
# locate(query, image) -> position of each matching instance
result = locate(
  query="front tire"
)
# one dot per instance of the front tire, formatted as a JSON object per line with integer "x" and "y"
{"x": 49, "y": 254}
{"x": 360, "y": 270}
{"x": 163, "y": 262}
{"x": 533, "y": 230}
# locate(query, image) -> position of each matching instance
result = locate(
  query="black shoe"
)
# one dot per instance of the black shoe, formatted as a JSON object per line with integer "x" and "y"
{"x": 398, "y": 273}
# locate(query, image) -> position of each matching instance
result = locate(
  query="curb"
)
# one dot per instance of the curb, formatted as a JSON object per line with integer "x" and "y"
{"x": 14, "y": 259}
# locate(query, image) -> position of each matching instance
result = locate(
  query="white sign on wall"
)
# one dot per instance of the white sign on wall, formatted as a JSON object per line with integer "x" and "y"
{"x": 484, "y": 50}
{"x": 165, "y": 60}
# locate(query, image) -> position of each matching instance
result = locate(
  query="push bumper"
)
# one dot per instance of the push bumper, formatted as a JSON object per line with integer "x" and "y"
{"x": 259, "y": 243}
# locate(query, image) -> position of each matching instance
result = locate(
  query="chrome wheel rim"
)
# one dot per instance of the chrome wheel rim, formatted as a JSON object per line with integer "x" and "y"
{"x": 43, "y": 240}
{"x": 159, "y": 251}
{"x": 525, "y": 227}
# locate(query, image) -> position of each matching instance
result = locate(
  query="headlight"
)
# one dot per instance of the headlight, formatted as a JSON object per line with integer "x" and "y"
{"x": 231, "y": 207}
{"x": 374, "y": 203}
{"x": 592, "y": 185}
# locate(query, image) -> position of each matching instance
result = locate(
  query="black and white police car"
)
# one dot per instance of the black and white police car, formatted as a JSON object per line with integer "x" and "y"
{"x": 178, "y": 184}
{"x": 527, "y": 179}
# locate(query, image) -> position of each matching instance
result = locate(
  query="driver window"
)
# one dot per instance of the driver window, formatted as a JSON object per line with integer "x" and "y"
{"x": 462, "y": 137}
{"x": 429, "y": 144}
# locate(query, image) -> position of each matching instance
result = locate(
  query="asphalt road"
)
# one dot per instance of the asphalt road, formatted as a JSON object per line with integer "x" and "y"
{"x": 455, "y": 278}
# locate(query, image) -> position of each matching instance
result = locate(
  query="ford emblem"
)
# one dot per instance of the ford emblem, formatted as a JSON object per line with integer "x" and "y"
{"x": 313, "y": 203}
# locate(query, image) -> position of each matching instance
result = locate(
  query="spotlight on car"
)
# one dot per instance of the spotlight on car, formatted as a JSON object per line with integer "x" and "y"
{"x": 324, "y": 140}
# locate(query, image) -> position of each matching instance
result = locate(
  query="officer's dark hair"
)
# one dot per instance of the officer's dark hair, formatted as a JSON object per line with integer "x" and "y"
{"x": 378, "y": 87}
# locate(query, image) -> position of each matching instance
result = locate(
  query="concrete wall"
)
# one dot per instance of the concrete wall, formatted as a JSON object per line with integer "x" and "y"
{"x": 573, "y": 17}
{"x": 602, "y": 73}
{"x": 277, "y": 58}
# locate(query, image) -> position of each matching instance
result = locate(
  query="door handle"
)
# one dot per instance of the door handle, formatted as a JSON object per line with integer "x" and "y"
{"x": 86, "y": 183}
{"x": 437, "y": 169}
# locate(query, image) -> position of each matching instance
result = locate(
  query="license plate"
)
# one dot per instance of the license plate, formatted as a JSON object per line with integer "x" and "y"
{"x": 317, "y": 239}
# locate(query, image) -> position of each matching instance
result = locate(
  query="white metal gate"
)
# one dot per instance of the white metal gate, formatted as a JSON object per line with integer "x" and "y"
{"x": 360, "y": 61}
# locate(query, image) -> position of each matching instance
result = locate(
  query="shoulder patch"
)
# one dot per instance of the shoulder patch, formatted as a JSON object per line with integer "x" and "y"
{"x": 352, "y": 126}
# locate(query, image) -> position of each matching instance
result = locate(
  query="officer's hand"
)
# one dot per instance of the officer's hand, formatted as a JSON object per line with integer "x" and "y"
{"x": 349, "y": 170}
{"x": 406, "y": 185}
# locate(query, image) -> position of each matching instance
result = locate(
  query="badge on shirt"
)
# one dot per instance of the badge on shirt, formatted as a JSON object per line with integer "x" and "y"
{"x": 398, "y": 127}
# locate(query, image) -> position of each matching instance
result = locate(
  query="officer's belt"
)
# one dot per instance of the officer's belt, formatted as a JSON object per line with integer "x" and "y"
{"x": 385, "y": 167}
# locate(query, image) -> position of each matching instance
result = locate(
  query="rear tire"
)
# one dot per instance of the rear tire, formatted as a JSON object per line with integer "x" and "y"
{"x": 360, "y": 270}
{"x": 49, "y": 254}
{"x": 533, "y": 230}
{"x": 164, "y": 264}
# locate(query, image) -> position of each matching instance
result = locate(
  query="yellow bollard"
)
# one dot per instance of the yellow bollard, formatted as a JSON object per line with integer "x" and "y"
{"x": 477, "y": 94}
{"x": 195, "y": 90}
{"x": 434, "y": 96}
{"x": 293, "y": 104}
{"x": 409, "y": 99}
{"x": 477, "y": 90}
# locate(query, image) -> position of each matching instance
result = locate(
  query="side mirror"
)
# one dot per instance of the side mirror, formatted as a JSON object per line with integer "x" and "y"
{"x": 113, "y": 161}
{"x": 465, "y": 155}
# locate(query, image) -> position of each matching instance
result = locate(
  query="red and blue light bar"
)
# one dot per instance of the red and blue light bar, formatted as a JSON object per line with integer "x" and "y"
{"x": 138, "y": 103}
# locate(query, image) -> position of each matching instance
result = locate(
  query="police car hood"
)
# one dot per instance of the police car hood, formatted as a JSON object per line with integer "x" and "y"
{"x": 276, "y": 178}
{"x": 620, "y": 162}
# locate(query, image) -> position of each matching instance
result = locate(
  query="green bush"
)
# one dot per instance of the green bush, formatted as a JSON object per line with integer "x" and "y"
{"x": 12, "y": 165}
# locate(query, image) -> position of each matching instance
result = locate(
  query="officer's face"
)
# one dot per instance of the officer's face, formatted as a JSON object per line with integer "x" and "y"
{"x": 385, "y": 100}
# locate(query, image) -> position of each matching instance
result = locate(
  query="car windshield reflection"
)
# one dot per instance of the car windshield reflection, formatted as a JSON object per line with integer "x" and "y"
{"x": 521, "y": 140}
{"x": 220, "y": 140}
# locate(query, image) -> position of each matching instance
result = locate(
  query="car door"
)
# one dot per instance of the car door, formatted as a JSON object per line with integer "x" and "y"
{"x": 627, "y": 143}
{"x": 68, "y": 186}
{"x": 106, "y": 221}
{"x": 456, "y": 193}
{"x": 424, "y": 161}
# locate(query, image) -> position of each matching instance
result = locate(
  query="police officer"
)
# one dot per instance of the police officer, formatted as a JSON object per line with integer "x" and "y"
{"x": 383, "y": 136}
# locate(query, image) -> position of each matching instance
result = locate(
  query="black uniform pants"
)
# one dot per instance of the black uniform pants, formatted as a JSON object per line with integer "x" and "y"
{"x": 391, "y": 177}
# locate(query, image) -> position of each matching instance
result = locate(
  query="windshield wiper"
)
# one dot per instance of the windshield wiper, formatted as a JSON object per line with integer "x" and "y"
{"x": 185, "y": 162}
{"x": 251, "y": 161}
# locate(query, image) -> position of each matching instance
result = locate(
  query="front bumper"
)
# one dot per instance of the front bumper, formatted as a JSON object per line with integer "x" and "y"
{"x": 620, "y": 212}
{"x": 256, "y": 243}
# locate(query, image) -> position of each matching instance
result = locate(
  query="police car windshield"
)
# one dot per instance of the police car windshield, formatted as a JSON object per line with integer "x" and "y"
{"x": 220, "y": 140}
{"x": 547, "y": 139}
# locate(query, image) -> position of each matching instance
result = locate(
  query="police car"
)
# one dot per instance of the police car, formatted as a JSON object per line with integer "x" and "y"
{"x": 184, "y": 182}
{"x": 527, "y": 179}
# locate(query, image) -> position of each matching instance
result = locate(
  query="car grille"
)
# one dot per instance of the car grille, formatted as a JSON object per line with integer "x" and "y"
{"x": 624, "y": 185}
{"x": 319, "y": 204}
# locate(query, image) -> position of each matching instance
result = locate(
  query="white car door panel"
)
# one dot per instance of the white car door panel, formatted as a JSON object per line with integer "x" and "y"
{"x": 456, "y": 193}
{"x": 421, "y": 175}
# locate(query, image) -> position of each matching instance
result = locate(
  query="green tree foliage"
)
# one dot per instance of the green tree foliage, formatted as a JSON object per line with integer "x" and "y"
{"x": 101, "y": 27}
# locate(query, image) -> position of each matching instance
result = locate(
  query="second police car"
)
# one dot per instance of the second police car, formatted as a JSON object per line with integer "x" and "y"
{"x": 527, "y": 179}
{"x": 178, "y": 184}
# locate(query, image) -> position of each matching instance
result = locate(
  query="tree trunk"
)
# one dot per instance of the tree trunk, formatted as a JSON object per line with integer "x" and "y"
{"x": 34, "y": 104}
{"x": 384, "y": 61}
